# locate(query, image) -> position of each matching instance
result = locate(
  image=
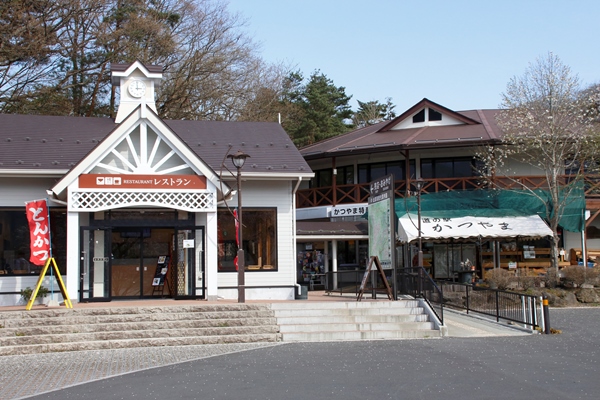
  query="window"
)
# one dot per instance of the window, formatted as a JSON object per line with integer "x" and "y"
{"x": 419, "y": 117}
{"x": 370, "y": 172}
{"x": 447, "y": 168}
{"x": 434, "y": 115}
{"x": 345, "y": 175}
{"x": 15, "y": 243}
{"x": 259, "y": 236}
{"x": 323, "y": 177}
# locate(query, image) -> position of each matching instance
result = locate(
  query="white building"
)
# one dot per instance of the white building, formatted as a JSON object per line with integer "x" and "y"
{"x": 128, "y": 193}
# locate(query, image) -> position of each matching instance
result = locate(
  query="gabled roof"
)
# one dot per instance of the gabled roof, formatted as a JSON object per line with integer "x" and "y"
{"x": 470, "y": 128}
{"x": 36, "y": 145}
{"x": 120, "y": 133}
{"x": 426, "y": 103}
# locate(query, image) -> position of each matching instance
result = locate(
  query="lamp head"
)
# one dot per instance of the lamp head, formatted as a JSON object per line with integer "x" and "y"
{"x": 419, "y": 184}
{"x": 238, "y": 158}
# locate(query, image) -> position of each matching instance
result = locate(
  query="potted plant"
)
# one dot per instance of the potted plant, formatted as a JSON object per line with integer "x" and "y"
{"x": 26, "y": 294}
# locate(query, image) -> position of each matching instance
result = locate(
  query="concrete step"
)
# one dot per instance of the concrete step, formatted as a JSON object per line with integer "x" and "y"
{"x": 341, "y": 319}
{"x": 350, "y": 327}
{"x": 314, "y": 322}
{"x": 133, "y": 343}
{"x": 379, "y": 305}
{"x": 359, "y": 335}
{"x": 307, "y": 312}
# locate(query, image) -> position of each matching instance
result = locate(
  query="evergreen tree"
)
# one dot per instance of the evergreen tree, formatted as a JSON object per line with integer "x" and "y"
{"x": 324, "y": 108}
{"x": 373, "y": 112}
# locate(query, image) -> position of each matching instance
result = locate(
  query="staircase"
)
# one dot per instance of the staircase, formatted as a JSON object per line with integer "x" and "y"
{"x": 58, "y": 330}
{"x": 335, "y": 321}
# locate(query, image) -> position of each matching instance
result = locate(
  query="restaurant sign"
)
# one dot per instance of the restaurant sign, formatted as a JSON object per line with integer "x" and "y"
{"x": 115, "y": 181}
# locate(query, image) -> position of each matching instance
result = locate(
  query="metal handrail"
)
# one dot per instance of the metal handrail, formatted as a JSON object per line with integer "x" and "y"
{"x": 414, "y": 282}
{"x": 500, "y": 304}
{"x": 417, "y": 283}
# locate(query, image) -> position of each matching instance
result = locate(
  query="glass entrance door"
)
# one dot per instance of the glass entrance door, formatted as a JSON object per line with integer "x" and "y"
{"x": 95, "y": 265}
{"x": 135, "y": 257}
{"x": 124, "y": 262}
{"x": 189, "y": 263}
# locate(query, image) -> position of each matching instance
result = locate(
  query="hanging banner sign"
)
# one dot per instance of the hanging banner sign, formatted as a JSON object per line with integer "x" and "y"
{"x": 39, "y": 231}
{"x": 115, "y": 181}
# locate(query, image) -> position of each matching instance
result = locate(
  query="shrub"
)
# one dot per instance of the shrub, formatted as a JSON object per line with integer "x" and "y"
{"x": 499, "y": 277}
{"x": 574, "y": 274}
{"x": 529, "y": 280}
{"x": 26, "y": 293}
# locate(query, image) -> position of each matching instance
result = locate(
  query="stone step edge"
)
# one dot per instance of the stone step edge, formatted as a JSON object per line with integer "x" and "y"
{"x": 134, "y": 343}
{"x": 142, "y": 334}
{"x": 102, "y": 319}
{"x": 134, "y": 326}
{"x": 133, "y": 310}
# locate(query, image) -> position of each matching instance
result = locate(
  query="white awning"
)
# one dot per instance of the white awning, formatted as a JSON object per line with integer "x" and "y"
{"x": 470, "y": 227}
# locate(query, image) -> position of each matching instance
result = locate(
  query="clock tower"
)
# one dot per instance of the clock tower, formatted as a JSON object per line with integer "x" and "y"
{"x": 137, "y": 84}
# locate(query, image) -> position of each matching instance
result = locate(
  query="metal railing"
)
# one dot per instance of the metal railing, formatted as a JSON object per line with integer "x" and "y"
{"x": 516, "y": 307}
{"x": 359, "y": 193}
{"x": 414, "y": 282}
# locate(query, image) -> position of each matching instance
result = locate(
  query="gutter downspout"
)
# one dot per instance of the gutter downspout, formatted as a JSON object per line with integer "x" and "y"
{"x": 294, "y": 238}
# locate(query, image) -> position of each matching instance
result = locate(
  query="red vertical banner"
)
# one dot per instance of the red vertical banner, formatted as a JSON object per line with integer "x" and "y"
{"x": 237, "y": 237}
{"x": 39, "y": 231}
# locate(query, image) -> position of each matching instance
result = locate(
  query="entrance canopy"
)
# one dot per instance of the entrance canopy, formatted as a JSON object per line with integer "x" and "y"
{"x": 433, "y": 228}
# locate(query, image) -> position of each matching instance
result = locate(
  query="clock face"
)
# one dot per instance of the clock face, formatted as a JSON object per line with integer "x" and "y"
{"x": 137, "y": 88}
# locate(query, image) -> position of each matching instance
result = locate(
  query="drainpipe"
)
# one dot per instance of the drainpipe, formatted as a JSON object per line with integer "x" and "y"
{"x": 294, "y": 237}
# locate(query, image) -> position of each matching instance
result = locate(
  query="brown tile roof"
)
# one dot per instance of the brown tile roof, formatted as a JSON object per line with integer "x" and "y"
{"x": 479, "y": 127}
{"x": 57, "y": 143}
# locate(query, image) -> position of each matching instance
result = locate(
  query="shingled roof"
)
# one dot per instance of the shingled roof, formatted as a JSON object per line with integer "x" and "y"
{"x": 46, "y": 144}
{"x": 477, "y": 127}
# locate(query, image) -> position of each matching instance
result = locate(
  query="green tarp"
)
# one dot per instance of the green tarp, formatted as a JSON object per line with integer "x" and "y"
{"x": 494, "y": 203}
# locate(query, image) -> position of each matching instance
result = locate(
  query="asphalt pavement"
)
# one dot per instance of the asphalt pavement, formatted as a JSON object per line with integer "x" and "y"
{"x": 478, "y": 365}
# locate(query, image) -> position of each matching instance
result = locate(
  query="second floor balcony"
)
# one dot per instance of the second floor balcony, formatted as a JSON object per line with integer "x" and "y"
{"x": 359, "y": 193}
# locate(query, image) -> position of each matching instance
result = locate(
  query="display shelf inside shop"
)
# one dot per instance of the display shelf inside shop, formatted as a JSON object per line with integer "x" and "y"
{"x": 541, "y": 259}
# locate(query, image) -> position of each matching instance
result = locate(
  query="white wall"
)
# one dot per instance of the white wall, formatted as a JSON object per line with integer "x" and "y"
{"x": 268, "y": 194}
{"x": 14, "y": 192}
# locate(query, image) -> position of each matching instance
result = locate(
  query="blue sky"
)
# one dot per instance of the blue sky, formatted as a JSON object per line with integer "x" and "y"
{"x": 458, "y": 53}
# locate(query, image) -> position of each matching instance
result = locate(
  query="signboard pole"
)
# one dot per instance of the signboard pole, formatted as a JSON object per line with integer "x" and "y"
{"x": 365, "y": 279}
{"x": 382, "y": 226}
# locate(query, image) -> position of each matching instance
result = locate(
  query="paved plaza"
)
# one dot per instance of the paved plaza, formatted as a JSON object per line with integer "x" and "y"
{"x": 485, "y": 364}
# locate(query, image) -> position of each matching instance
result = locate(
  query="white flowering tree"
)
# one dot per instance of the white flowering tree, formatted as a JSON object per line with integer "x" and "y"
{"x": 548, "y": 126}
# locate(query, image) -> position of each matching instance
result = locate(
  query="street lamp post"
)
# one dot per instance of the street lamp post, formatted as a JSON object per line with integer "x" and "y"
{"x": 419, "y": 185}
{"x": 238, "y": 160}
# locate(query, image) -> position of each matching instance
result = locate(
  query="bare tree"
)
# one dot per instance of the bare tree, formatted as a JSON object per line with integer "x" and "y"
{"x": 29, "y": 38}
{"x": 547, "y": 125}
{"x": 55, "y": 56}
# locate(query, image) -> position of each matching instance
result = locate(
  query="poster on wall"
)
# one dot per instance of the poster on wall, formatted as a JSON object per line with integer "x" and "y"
{"x": 162, "y": 267}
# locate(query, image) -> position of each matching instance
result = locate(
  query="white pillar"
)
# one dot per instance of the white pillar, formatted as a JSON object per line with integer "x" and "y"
{"x": 334, "y": 262}
{"x": 212, "y": 256}
{"x": 73, "y": 256}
